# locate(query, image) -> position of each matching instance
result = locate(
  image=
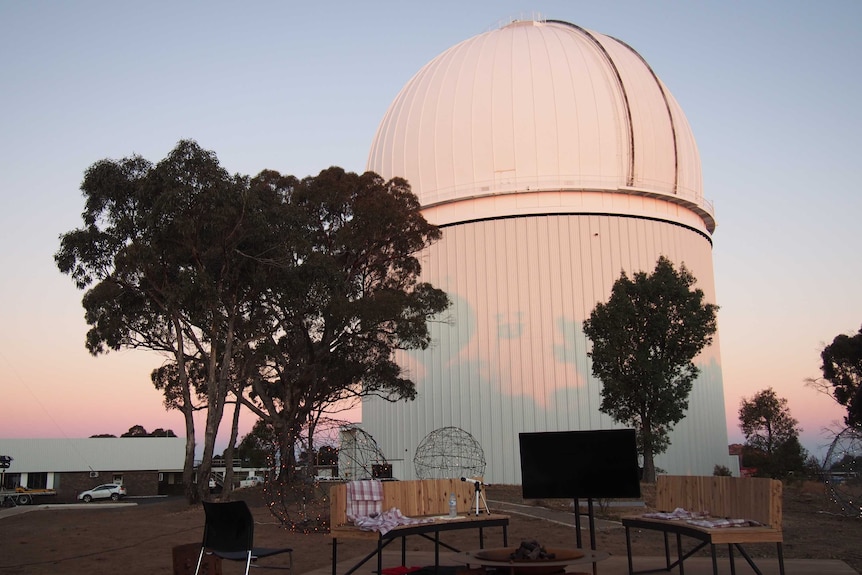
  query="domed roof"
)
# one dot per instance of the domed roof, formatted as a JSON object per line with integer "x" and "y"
{"x": 540, "y": 106}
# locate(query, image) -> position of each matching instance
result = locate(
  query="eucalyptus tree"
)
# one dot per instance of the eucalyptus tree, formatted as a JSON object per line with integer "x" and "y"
{"x": 347, "y": 297}
{"x": 771, "y": 435}
{"x": 290, "y": 294}
{"x": 644, "y": 340}
{"x": 159, "y": 257}
{"x": 842, "y": 369}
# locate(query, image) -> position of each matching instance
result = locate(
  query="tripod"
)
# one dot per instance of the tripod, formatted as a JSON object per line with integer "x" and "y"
{"x": 480, "y": 496}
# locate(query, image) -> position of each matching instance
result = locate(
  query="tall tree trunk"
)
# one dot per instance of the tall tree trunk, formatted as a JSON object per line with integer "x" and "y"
{"x": 649, "y": 468}
{"x": 228, "y": 453}
{"x": 311, "y": 460}
{"x": 649, "y": 463}
{"x": 189, "y": 485}
{"x": 218, "y": 374}
{"x": 213, "y": 419}
{"x": 286, "y": 445}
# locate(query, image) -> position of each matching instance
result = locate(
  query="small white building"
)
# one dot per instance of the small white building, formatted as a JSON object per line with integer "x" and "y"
{"x": 144, "y": 465}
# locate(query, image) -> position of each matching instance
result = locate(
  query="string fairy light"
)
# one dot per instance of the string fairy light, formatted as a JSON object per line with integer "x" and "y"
{"x": 297, "y": 497}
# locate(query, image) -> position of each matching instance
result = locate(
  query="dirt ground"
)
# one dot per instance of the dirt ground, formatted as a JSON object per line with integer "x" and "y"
{"x": 139, "y": 539}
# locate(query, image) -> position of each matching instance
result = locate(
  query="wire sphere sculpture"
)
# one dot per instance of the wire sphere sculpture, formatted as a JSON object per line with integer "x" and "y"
{"x": 449, "y": 452}
{"x": 842, "y": 472}
{"x": 298, "y": 501}
{"x": 359, "y": 456}
{"x": 296, "y": 487}
{"x": 292, "y": 487}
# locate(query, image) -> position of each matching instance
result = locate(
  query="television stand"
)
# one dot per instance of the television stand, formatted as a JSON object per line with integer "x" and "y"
{"x": 592, "y": 525}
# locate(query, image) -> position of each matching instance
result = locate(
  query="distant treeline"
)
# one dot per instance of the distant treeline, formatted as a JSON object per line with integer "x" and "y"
{"x": 140, "y": 431}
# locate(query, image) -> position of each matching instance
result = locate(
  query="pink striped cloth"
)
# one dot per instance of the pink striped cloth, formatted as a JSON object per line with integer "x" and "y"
{"x": 364, "y": 499}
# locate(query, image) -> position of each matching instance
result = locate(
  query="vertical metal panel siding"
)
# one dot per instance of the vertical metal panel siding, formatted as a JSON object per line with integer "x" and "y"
{"x": 513, "y": 357}
{"x": 97, "y": 454}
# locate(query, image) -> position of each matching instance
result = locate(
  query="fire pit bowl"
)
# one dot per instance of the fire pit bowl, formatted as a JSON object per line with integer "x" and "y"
{"x": 502, "y": 557}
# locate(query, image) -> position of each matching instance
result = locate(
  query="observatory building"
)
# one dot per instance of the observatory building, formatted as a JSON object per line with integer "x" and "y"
{"x": 553, "y": 158}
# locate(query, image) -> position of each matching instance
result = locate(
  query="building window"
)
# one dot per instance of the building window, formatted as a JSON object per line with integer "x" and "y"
{"x": 37, "y": 480}
{"x": 11, "y": 480}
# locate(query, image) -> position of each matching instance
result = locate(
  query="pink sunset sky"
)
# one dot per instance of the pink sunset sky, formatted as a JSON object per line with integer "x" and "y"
{"x": 299, "y": 87}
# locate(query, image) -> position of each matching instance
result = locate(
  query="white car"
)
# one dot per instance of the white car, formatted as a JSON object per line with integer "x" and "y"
{"x": 251, "y": 481}
{"x": 112, "y": 491}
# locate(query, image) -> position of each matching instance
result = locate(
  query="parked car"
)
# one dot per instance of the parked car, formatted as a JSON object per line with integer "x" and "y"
{"x": 251, "y": 481}
{"x": 112, "y": 491}
{"x": 215, "y": 487}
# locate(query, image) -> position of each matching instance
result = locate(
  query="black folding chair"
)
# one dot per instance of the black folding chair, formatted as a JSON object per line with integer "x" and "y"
{"x": 229, "y": 534}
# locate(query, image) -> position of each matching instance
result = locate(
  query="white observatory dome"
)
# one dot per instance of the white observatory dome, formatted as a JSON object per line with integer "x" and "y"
{"x": 541, "y": 106}
{"x": 552, "y": 158}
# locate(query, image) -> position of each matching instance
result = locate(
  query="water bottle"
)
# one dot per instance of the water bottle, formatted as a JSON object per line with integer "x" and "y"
{"x": 453, "y": 506}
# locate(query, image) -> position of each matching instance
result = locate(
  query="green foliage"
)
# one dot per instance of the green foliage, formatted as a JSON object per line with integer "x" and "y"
{"x": 766, "y": 422}
{"x": 257, "y": 445}
{"x": 812, "y": 469}
{"x": 842, "y": 368}
{"x": 288, "y": 294}
{"x": 644, "y": 340}
{"x": 139, "y": 431}
{"x": 159, "y": 255}
{"x": 772, "y": 436}
{"x": 347, "y": 295}
{"x": 790, "y": 460}
{"x": 721, "y": 471}
{"x": 136, "y": 431}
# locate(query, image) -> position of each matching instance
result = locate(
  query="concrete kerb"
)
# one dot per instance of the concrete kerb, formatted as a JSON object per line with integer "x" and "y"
{"x": 19, "y": 509}
{"x": 566, "y": 518}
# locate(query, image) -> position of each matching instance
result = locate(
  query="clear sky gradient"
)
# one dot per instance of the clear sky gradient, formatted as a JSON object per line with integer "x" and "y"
{"x": 772, "y": 91}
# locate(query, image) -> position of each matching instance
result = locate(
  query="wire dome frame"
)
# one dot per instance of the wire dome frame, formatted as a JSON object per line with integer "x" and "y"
{"x": 449, "y": 452}
{"x": 300, "y": 499}
{"x": 842, "y": 471}
{"x": 359, "y": 456}
{"x": 292, "y": 489}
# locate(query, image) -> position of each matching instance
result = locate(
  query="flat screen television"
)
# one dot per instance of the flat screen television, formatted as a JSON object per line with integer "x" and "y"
{"x": 579, "y": 464}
